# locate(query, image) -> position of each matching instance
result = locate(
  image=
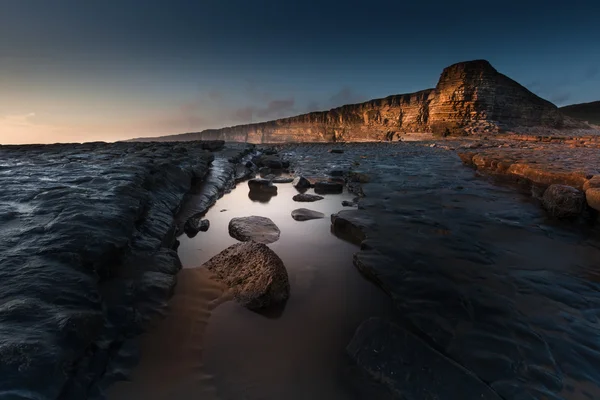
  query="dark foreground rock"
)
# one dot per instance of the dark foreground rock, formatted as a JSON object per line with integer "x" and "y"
{"x": 410, "y": 368}
{"x": 255, "y": 274}
{"x": 351, "y": 225}
{"x": 562, "y": 201}
{"x": 86, "y": 253}
{"x": 256, "y": 228}
{"x": 282, "y": 180}
{"x": 304, "y": 214}
{"x": 307, "y": 198}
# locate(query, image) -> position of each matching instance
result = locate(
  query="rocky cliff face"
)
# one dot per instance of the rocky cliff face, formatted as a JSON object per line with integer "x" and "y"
{"x": 470, "y": 98}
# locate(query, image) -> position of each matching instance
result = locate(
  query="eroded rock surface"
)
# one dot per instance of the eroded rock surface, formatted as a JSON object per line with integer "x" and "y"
{"x": 256, "y": 228}
{"x": 255, "y": 274}
{"x": 352, "y": 225}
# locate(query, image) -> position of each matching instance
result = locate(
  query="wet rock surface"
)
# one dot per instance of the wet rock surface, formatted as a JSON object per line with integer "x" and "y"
{"x": 352, "y": 225}
{"x": 328, "y": 187}
{"x": 256, "y": 228}
{"x": 304, "y": 214}
{"x": 478, "y": 271}
{"x": 301, "y": 182}
{"x": 307, "y": 197}
{"x": 87, "y": 232}
{"x": 409, "y": 367}
{"x": 254, "y": 273}
{"x": 195, "y": 225}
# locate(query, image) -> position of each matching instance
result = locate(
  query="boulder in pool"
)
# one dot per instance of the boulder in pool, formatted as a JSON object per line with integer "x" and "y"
{"x": 261, "y": 185}
{"x": 409, "y": 367}
{"x": 562, "y": 201}
{"x": 304, "y": 214}
{"x": 194, "y": 225}
{"x": 254, "y": 273}
{"x": 256, "y": 228}
{"x": 307, "y": 197}
{"x": 301, "y": 182}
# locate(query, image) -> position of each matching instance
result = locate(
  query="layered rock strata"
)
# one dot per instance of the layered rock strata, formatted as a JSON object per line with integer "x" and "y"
{"x": 470, "y": 98}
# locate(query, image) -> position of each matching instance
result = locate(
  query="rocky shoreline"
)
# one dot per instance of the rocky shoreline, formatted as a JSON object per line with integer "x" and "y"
{"x": 101, "y": 221}
{"x": 97, "y": 221}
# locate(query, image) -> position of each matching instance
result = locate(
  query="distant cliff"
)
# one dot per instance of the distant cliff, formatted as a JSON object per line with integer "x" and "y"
{"x": 589, "y": 112}
{"x": 470, "y": 98}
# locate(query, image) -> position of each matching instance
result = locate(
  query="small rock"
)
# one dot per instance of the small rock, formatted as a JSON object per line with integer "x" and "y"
{"x": 304, "y": 214}
{"x": 250, "y": 165}
{"x": 336, "y": 151}
{"x": 253, "y": 272}
{"x": 307, "y": 198}
{"x": 351, "y": 225}
{"x": 592, "y": 196}
{"x": 282, "y": 180}
{"x": 272, "y": 162}
{"x": 264, "y": 171}
{"x": 325, "y": 187}
{"x": 194, "y": 225}
{"x": 262, "y": 185}
{"x": 223, "y": 210}
{"x": 563, "y": 201}
{"x": 347, "y": 203}
{"x": 432, "y": 145}
{"x": 301, "y": 182}
{"x": 336, "y": 172}
{"x": 259, "y": 229}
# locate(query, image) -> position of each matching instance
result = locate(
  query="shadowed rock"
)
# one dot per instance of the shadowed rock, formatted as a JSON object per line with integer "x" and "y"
{"x": 301, "y": 182}
{"x": 351, "y": 225}
{"x": 195, "y": 225}
{"x": 304, "y": 214}
{"x": 409, "y": 367}
{"x": 593, "y": 198}
{"x": 253, "y": 272}
{"x": 307, "y": 198}
{"x": 258, "y": 229}
{"x": 282, "y": 180}
{"x": 262, "y": 185}
{"x": 329, "y": 187}
{"x": 563, "y": 201}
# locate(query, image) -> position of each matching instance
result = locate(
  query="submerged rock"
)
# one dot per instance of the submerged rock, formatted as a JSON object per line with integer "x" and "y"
{"x": 307, "y": 198}
{"x": 336, "y": 151}
{"x": 304, "y": 214}
{"x": 256, "y": 228}
{"x": 195, "y": 225}
{"x": 563, "y": 201}
{"x": 351, "y": 225}
{"x": 253, "y": 272}
{"x": 329, "y": 187}
{"x": 301, "y": 182}
{"x": 409, "y": 367}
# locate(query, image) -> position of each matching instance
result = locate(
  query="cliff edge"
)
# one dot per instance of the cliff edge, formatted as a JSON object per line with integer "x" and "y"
{"x": 470, "y": 98}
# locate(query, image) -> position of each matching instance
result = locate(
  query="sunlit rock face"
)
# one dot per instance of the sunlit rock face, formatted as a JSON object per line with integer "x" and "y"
{"x": 470, "y": 98}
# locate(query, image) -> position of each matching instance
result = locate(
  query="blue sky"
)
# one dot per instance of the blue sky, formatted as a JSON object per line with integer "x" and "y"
{"x": 76, "y": 71}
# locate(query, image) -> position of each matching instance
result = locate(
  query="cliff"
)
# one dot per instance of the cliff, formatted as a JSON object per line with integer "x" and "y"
{"x": 589, "y": 112}
{"x": 470, "y": 98}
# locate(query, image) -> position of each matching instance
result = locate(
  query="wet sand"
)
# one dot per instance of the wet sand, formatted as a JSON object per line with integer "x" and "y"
{"x": 171, "y": 352}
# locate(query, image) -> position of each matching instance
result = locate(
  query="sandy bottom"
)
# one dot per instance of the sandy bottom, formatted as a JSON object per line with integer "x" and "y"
{"x": 171, "y": 352}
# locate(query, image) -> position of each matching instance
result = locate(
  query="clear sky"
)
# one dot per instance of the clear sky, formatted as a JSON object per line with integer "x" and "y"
{"x": 83, "y": 70}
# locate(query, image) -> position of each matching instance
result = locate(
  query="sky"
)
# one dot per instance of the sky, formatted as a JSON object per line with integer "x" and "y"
{"x": 74, "y": 71}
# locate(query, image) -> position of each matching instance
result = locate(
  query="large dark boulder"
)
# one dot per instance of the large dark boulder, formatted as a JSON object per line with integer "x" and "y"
{"x": 262, "y": 185}
{"x": 256, "y": 228}
{"x": 301, "y": 182}
{"x": 253, "y": 272}
{"x": 409, "y": 367}
{"x": 562, "y": 201}
{"x": 194, "y": 225}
